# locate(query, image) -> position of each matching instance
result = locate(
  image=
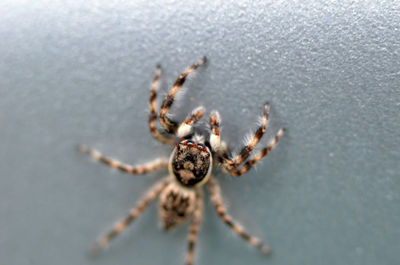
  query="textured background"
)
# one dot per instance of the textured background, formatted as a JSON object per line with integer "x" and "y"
{"x": 81, "y": 71}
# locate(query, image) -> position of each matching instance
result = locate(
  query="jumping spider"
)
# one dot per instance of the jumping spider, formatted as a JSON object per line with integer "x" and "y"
{"x": 189, "y": 166}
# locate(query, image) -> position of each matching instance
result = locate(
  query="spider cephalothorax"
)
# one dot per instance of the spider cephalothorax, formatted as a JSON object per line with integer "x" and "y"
{"x": 191, "y": 163}
{"x": 189, "y": 166}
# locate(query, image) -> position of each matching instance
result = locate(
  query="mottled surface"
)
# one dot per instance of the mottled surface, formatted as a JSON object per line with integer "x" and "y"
{"x": 191, "y": 163}
{"x": 80, "y": 72}
{"x": 176, "y": 205}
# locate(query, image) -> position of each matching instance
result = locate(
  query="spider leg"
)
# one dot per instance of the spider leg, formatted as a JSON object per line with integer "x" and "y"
{"x": 246, "y": 151}
{"x": 218, "y": 203}
{"x": 265, "y": 151}
{"x": 133, "y": 214}
{"x": 229, "y": 163}
{"x": 215, "y": 137}
{"x": 138, "y": 170}
{"x": 194, "y": 228}
{"x": 186, "y": 127}
{"x": 165, "y": 139}
{"x": 166, "y": 123}
{"x": 232, "y": 166}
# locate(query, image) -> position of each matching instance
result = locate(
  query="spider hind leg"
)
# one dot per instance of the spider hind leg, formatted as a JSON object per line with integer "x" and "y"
{"x": 120, "y": 226}
{"x": 218, "y": 203}
{"x": 194, "y": 229}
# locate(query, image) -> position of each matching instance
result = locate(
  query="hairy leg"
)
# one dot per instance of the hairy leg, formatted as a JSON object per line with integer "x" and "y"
{"x": 166, "y": 123}
{"x": 186, "y": 127}
{"x": 194, "y": 229}
{"x": 246, "y": 150}
{"x": 160, "y": 136}
{"x": 250, "y": 163}
{"x": 218, "y": 203}
{"x": 140, "y": 169}
{"x": 133, "y": 214}
{"x": 232, "y": 166}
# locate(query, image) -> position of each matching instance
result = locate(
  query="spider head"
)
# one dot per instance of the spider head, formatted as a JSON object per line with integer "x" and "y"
{"x": 191, "y": 163}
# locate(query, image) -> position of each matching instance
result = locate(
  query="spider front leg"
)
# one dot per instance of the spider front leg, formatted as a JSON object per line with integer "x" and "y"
{"x": 160, "y": 136}
{"x": 194, "y": 228}
{"x": 169, "y": 125}
{"x": 265, "y": 151}
{"x": 133, "y": 214}
{"x": 138, "y": 170}
{"x": 218, "y": 203}
{"x": 231, "y": 166}
{"x": 217, "y": 146}
{"x": 246, "y": 150}
{"x": 251, "y": 144}
{"x": 186, "y": 127}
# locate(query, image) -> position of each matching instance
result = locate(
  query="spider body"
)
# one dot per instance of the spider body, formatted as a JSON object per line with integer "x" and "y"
{"x": 191, "y": 163}
{"x": 190, "y": 169}
{"x": 176, "y": 204}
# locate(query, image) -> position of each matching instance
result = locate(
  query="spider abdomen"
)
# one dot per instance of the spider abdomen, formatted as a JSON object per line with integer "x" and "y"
{"x": 176, "y": 205}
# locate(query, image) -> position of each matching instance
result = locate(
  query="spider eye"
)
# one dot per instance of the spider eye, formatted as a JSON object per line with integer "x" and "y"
{"x": 201, "y": 146}
{"x": 189, "y": 142}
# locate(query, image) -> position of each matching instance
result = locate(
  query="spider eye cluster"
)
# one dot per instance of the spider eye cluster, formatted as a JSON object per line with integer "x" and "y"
{"x": 191, "y": 162}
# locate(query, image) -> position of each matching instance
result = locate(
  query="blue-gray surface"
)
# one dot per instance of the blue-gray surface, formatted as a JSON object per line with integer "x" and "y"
{"x": 81, "y": 71}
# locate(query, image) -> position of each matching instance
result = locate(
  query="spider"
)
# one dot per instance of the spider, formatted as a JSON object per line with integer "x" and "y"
{"x": 189, "y": 166}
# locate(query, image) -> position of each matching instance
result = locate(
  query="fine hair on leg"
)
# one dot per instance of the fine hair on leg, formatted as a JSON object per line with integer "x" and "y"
{"x": 133, "y": 214}
{"x": 134, "y": 170}
{"x": 157, "y": 134}
{"x": 194, "y": 228}
{"x": 166, "y": 123}
{"x": 218, "y": 203}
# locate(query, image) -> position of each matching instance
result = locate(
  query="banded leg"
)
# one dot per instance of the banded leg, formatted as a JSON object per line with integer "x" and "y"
{"x": 186, "y": 127}
{"x": 138, "y": 170}
{"x": 246, "y": 151}
{"x": 194, "y": 229}
{"x": 249, "y": 164}
{"x": 165, "y": 139}
{"x": 218, "y": 203}
{"x": 133, "y": 214}
{"x": 231, "y": 164}
{"x": 215, "y": 138}
{"x": 166, "y": 123}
